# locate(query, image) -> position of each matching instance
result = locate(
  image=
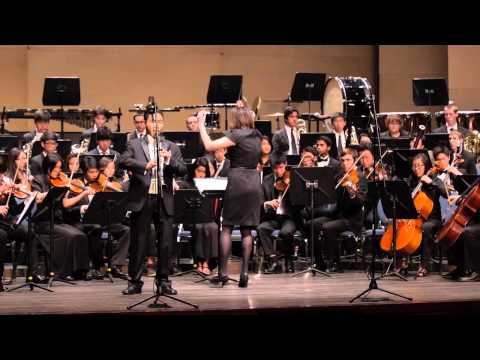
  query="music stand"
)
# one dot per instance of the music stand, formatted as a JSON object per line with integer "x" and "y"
{"x": 54, "y": 195}
{"x": 7, "y": 142}
{"x": 308, "y": 87}
{"x": 224, "y": 89}
{"x": 310, "y": 139}
{"x": 436, "y": 139}
{"x": 429, "y": 91}
{"x": 293, "y": 160}
{"x": 119, "y": 141}
{"x": 396, "y": 143}
{"x": 307, "y": 190}
{"x": 61, "y": 91}
{"x": 192, "y": 208}
{"x": 187, "y": 141}
{"x": 214, "y": 188}
{"x": 27, "y": 212}
{"x": 397, "y": 203}
{"x": 105, "y": 209}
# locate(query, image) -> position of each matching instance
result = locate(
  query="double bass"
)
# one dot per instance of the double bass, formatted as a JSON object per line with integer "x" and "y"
{"x": 409, "y": 231}
{"x": 466, "y": 210}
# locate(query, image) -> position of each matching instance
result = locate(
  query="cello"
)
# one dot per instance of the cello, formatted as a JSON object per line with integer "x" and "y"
{"x": 454, "y": 227}
{"x": 409, "y": 231}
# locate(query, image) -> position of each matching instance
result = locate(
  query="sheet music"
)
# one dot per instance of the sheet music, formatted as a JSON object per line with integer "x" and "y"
{"x": 26, "y": 206}
{"x": 211, "y": 184}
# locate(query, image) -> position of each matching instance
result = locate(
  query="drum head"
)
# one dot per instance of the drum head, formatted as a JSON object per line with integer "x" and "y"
{"x": 333, "y": 97}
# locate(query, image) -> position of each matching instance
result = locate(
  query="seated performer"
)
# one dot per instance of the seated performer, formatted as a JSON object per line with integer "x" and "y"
{"x": 277, "y": 213}
{"x": 71, "y": 245}
{"x": 73, "y": 165}
{"x": 205, "y": 235}
{"x": 433, "y": 188}
{"x": 99, "y": 121}
{"x": 351, "y": 196}
{"x": 462, "y": 159}
{"x": 221, "y": 165}
{"x": 308, "y": 157}
{"x": 76, "y": 205}
{"x": 451, "y": 121}
{"x": 49, "y": 144}
{"x": 266, "y": 151}
{"x": 394, "y": 127}
{"x": 192, "y": 123}
{"x": 323, "y": 146}
{"x": 41, "y": 121}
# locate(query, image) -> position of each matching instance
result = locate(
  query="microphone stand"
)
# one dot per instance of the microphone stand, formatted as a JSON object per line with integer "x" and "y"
{"x": 373, "y": 280}
{"x": 153, "y": 109}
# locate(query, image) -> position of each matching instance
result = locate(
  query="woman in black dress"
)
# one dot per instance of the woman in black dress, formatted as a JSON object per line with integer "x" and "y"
{"x": 243, "y": 197}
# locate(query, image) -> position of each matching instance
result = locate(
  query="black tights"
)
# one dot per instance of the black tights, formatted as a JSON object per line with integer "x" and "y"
{"x": 226, "y": 248}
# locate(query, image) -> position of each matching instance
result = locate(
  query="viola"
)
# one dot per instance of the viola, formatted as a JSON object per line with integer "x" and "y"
{"x": 109, "y": 186}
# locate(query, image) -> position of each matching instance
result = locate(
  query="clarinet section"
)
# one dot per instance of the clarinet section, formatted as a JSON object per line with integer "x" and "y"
{"x": 258, "y": 217}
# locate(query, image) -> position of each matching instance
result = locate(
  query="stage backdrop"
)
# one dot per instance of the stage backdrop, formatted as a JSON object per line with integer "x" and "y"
{"x": 119, "y": 76}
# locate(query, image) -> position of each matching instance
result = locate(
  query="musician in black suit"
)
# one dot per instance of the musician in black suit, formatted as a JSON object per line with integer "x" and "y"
{"x": 104, "y": 147}
{"x": 323, "y": 146}
{"x": 99, "y": 121}
{"x": 140, "y": 159}
{"x": 221, "y": 164}
{"x": 41, "y": 120}
{"x": 287, "y": 140}
{"x": 465, "y": 160}
{"x": 140, "y": 128}
{"x": 349, "y": 216}
{"x": 394, "y": 127}
{"x": 277, "y": 213}
{"x": 451, "y": 121}
{"x": 339, "y": 129}
{"x": 49, "y": 144}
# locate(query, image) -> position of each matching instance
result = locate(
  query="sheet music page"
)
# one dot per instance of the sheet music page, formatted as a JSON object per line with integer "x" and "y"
{"x": 211, "y": 184}
{"x": 26, "y": 206}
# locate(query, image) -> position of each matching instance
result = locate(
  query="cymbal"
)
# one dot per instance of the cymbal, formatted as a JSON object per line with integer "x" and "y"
{"x": 277, "y": 114}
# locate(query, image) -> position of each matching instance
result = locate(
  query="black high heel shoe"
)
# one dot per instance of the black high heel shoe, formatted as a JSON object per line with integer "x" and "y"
{"x": 243, "y": 283}
{"x": 223, "y": 279}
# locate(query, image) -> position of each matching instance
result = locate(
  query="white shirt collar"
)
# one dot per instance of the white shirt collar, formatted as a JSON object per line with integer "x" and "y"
{"x": 100, "y": 151}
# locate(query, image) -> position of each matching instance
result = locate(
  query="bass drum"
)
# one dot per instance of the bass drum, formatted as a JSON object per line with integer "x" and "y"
{"x": 350, "y": 96}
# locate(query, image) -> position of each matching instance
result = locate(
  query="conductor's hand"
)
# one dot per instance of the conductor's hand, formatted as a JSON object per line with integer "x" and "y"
{"x": 150, "y": 165}
{"x": 274, "y": 204}
{"x": 201, "y": 116}
{"x": 4, "y": 210}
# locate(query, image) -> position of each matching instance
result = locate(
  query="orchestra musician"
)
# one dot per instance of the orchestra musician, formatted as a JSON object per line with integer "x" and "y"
{"x": 49, "y": 144}
{"x": 451, "y": 121}
{"x": 192, "y": 123}
{"x": 465, "y": 160}
{"x": 287, "y": 140}
{"x": 266, "y": 151}
{"x": 71, "y": 259}
{"x": 349, "y": 214}
{"x": 323, "y": 146}
{"x": 140, "y": 159}
{"x": 41, "y": 121}
{"x": 243, "y": 196}
{"x": 205, "y": 235}
{"x": 99, "y": 121}
{"x": 140, "y": 128}
{"x": 73, "y": 165}
{"x": 394, "y": 127}
{"x": 221, "y": 165}
{"x": 308, "y": 157}
{"x": 75, "y": 206}
{"x": 433, "y": 188}
{"x": 339, "y": 124}
{"x": 277, "y": 213}
{"x": 104, "y": 147}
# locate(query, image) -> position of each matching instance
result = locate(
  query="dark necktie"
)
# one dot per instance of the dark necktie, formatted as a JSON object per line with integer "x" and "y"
{"x": 339, "y": 144}
{"x": 294, "y": 144}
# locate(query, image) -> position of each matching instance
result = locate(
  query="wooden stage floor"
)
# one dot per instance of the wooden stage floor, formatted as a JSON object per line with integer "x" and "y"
{"x": 266, "y": 293}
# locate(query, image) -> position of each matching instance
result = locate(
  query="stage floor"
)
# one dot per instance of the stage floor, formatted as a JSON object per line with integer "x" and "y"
{"x": 265, "y": 293}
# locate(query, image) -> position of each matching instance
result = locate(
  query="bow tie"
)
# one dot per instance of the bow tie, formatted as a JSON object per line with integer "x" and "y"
{"x": 323, "y": 159}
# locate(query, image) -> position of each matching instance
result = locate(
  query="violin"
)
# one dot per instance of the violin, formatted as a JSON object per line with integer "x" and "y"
{"x": 61, "y": 180}
{"x": 282, "y": 183}
{"x": 109, "y": 186}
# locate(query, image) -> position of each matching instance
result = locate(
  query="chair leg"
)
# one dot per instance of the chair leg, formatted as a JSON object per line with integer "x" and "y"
{"x": 14, "y": 249}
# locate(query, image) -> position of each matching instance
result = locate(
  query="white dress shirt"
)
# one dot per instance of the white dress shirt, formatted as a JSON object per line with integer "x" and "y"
{"x": 342, "y": 137}
{"x": 288, "y": 129}
{"x": 103, "y": 153}
{"x": 324, "y": 163}
{"x": 450, "y": 128}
